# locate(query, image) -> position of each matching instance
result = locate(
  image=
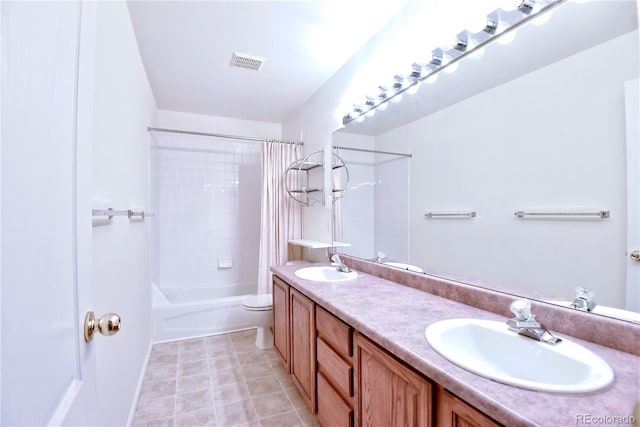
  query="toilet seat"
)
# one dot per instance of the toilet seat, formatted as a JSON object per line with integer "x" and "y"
{"x": 262, "y": 302}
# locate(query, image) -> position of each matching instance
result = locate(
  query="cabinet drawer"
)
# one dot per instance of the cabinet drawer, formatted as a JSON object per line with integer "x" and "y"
{"x": 334, "y": 332}
{"x": 332, "y": 410}
{"x": 335, "y": 369}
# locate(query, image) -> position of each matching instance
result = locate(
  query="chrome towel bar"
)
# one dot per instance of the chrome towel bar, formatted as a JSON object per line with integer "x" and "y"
{"x": 110, "y": 213}
{"x": 450, "y": 215}
{"x": 598, "y": 214}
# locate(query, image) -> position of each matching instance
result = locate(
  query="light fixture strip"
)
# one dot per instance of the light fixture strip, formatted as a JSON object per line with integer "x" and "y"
{"x": 456, "y": 54}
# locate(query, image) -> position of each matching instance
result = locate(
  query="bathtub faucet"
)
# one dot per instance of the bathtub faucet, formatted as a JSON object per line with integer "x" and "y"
{"x": 339, "y": 265}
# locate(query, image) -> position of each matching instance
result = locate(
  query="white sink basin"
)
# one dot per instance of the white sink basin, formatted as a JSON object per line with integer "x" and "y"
{"x": 324, "y": 274}
{"x": 404, "y": 266}
{"x": 490, "y": 349}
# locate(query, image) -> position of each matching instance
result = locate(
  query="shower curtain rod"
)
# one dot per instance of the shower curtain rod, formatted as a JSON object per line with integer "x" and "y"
{"x": 372, "y": 151}
{"x": 219, "y": 135}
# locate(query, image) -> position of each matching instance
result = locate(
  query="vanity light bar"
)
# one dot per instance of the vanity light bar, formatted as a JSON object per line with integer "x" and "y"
{"x": 499, "y": 23}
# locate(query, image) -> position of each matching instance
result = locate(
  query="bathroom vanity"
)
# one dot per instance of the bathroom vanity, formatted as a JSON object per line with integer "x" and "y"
{"x": 356, "y": 351}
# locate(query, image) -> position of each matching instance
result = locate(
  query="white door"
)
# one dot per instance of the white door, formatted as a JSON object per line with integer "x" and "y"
{"x": 48, "y": 371}
{"x": 632, "y": 112}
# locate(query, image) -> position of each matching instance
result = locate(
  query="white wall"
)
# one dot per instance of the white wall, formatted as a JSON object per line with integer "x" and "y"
{"x": 124, "y": 107}
{"x": 492, "y": 154}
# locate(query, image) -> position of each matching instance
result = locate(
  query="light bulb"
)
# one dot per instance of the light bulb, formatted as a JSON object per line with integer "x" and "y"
{"x": 382, "y": 107}
{"x": 431, "y": 79}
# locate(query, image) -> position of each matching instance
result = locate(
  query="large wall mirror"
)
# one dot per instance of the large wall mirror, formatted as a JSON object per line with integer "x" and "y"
{"x": 546, "y": 124}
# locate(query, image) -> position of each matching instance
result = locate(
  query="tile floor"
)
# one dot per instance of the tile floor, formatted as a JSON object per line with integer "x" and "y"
{"x": 222, "y": 380}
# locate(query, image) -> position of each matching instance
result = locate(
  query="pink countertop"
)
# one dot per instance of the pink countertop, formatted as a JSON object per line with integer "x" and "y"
{"x": 395, "y": 317}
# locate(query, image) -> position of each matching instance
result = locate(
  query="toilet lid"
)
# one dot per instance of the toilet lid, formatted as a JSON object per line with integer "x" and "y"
{"x": 259, "y": 301}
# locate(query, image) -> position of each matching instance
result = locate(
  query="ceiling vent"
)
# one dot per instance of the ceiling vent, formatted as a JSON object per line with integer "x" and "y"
{"x": 240, "y": 60}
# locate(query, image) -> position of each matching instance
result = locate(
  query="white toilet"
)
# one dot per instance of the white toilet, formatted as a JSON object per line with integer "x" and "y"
{"x": 260, "y": 310}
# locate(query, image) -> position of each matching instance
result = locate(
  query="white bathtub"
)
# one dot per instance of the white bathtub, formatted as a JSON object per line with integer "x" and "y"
{"x": 180, "y": 313}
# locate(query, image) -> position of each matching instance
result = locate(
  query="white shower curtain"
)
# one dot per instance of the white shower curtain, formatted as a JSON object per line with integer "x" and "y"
{"x": 280, "y": 217}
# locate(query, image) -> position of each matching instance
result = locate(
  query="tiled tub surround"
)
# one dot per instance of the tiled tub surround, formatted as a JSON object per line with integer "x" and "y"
{"x": 221, "y": 380}
{"x": 395, "y": 316}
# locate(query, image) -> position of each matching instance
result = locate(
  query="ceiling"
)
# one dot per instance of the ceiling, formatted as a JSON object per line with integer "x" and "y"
{"x": 187, "y": 46}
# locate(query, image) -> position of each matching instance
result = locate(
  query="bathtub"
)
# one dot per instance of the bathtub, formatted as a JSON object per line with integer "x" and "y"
{"x": 180, "y": 313}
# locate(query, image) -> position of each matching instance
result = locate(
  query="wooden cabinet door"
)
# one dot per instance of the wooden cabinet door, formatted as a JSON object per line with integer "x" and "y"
{"x": 303, "y": 346}
{"x": 281, "y": 320}
{"x": 454, "y": 412}
{"x": 389, "y": 393}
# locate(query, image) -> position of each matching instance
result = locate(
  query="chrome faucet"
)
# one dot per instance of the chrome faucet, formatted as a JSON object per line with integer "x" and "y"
{"x": 339, "y": 265}
{"x": 525, "y": 323}
{"x": 584, "y": 299}
{"x": 380, "y": 258}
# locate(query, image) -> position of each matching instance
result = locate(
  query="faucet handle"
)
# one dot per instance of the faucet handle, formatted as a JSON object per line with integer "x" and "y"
{"x": 584, "y": 299}
{"x": 336, "y": 258}
{"x": 584, "y": 293}
{"x": 521, "y": 308}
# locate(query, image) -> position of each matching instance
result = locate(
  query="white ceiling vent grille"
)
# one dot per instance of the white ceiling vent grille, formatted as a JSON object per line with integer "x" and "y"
{"x": 240, "y": 60}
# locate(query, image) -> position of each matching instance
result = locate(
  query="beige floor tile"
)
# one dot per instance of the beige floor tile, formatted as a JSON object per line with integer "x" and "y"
{"x": 190, "y": 345}
{"x": 204, "y": 418}
{"x": 272, "y": 404}
{"x": 218, "y": 339}
{"x": 161, "y": 372}
{"x": 251, "y": 357}
{"x": 220, "y": 380}
{"x": 259, "y": 369}
{"x": 296, "y": 399}
{"x": 163, "y": 422}
{"x": 155, "y": 409}
{"x": 230, "y": 393}
{"x": 308, "y": 419}
{"x": 165, "y": 347}
{"x": 288, "y": 419}
{"x": 244, "y": 346}
{"x": 223, "y": 362}
{"x": 193, "y": 355}
{"x": 226, "y": 376}
{"x": 222, "y": 349}
{"x": 264, "y": 385}
{"x": 235, "y": 414}
{"x": 193, "y": 401}
{"x": 190, "y": 383}
{"x": 192, "y": 368}
{"x": 157, "y": 389}
{"x": 159, "y": 359}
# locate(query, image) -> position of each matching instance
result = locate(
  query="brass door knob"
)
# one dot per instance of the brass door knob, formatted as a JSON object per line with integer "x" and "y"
{"x": 109, "y": 324}
{"x": 635, "y": 255}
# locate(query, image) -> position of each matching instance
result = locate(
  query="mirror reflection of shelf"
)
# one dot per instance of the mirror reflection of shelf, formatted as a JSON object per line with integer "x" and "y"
{"x": 313, "y": 244}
